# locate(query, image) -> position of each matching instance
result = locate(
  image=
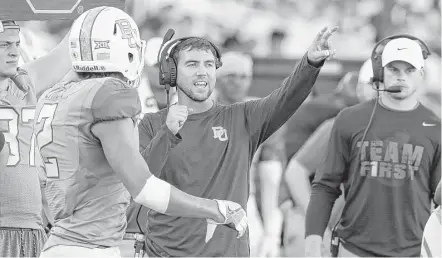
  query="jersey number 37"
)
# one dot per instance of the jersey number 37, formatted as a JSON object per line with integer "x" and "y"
{"x": 42, "y": 135}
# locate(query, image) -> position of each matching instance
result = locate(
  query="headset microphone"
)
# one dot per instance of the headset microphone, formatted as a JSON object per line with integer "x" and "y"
{"x": 167, "y": 37}
{"x": 392, "y": 89}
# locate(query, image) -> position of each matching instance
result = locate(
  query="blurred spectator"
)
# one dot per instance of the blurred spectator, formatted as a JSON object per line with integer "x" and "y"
{"x": 277, "y": 38}
{"x": 285, "y": 27}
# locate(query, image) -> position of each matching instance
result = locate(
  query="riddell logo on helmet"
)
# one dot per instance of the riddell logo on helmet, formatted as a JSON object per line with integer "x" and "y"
{"x": 89, "y": 68}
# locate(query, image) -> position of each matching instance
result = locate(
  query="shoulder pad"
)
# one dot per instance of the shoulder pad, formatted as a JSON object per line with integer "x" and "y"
{"x": 115, "y": 100}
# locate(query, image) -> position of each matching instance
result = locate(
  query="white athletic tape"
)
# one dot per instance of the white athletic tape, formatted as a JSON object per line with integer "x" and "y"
{"x": 210, "y": 231}
{"x": 154, "y": 195}
{"x": 211, "y": 224}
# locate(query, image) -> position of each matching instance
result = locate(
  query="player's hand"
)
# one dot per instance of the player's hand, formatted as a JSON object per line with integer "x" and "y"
{"x": 321, "y": 48}
{"x": 22, "y": 80}
{"x": 176, "y": 117}
{"x": 24, "y": 83}
{"x": 234, "y": 217}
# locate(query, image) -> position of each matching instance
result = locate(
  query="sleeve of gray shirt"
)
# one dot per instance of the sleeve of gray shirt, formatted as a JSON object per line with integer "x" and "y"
{"x": 314, "y": 149}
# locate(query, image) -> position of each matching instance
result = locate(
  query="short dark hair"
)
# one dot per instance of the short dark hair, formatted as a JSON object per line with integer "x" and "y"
{"x": 191, "y": 44}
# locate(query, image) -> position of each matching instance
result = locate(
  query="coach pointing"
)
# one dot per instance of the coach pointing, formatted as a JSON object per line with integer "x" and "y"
{"x": 206, "y": 148}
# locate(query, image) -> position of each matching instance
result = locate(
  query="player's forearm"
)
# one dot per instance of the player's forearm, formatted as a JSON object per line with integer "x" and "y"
{"x": 319, "y": 209}
{"x": 164, "y": 198}
{"x": 156, "y": 151}
{"x": 160, "y": 196}
{"x": 296, "y": 177}
{"x": 185, "y": 205}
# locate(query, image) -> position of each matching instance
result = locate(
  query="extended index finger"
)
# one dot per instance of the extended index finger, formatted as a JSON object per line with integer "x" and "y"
{"x": 330, "y": 32}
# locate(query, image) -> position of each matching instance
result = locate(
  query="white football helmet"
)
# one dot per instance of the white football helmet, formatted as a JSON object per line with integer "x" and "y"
{"x": 106, "y": 39}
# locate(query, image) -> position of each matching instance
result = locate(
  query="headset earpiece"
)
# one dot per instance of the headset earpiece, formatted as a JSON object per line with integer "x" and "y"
{"x": 376, "y": 55}
{"x": 172, "y": 71}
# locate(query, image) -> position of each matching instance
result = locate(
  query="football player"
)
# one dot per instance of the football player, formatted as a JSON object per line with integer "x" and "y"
{"x": 21, "y": 226}
{"x": 86, "y": 133}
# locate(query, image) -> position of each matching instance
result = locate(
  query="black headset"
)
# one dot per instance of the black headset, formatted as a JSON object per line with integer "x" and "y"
{"x": 167, "y": 65}
{"x": 376, "y": 55}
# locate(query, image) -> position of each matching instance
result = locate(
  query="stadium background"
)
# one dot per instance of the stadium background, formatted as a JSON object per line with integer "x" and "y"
{"x": 275, "y": 32}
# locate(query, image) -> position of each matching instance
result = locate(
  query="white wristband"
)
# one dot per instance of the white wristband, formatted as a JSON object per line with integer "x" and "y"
{"x": 155, "y": 194}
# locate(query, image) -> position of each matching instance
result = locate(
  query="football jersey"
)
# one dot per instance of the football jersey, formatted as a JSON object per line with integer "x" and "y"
{"x": 85, "y": 196}
{"x": 20, "y": 194}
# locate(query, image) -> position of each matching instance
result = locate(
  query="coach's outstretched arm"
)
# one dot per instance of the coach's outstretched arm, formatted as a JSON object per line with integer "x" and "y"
{"x": 146, "y": 189}
{"x": 326, "y": 187}
{"x": 265, "y": 116}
